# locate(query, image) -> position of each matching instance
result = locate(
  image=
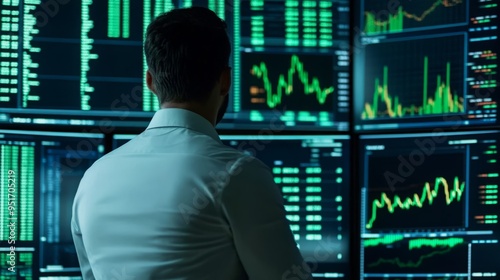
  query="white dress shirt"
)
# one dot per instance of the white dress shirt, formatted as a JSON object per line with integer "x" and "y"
{"x": 175, "y": 203}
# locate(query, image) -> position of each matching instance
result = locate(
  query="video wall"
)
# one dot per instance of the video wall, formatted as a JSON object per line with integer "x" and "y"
{"x": 64, "y": 62}
{"x": 425, "y": 64}
{"x": 378, "y": 120}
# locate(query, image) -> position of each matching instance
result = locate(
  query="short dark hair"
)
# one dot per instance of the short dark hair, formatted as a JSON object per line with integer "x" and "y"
{"x": 186, "y": 52}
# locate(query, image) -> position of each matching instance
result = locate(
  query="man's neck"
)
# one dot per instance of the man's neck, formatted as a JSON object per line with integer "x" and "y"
{"x": 200, "y": 109}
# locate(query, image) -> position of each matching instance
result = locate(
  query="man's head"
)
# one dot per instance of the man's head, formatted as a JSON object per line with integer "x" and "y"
{"x": 187, "y": 52}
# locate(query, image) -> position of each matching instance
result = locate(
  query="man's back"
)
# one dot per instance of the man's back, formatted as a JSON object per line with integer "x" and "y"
{"x": 175, "y": 203}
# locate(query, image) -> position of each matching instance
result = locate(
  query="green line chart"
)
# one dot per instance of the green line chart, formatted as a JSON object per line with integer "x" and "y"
{"x": 285, "y": 84}
{"x": 412, "y": 15}
{"x": 386, "y": 240}
{"x": 443, "y": 100}
{"x": 413, "y": 244}
{"x": 414, "y": 264}
{"x": 415, "y": 254}
{"x": 428, "y": 195}
{"x": 433, "y": 242}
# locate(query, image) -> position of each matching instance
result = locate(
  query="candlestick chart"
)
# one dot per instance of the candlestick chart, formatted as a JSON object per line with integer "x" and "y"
{"x": 381, "y": 18}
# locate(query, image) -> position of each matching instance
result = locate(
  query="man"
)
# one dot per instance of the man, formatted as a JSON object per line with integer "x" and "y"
{"x": 174, "y": 202}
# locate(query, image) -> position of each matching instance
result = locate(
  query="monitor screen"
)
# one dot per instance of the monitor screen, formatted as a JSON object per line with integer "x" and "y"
{"x": 81, "y": 63}
{"x": 429, "y": 206}
{"x": 293, "y": 64}
{"x": 425, "y": 63}
{"x": 42, "y": 171}
{"x": 314, "y": 181}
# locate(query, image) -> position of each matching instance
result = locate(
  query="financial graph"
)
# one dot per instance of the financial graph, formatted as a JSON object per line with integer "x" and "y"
{"x": 423, "y": 242}
{"x": 443, "y": 100}
{"x": 441, "y": 187}
{"x": 65, "y": 64}
{"x": 294, "y": 65}
{"x": 379, "y": 18}
{"x": 413, "y": 243}
{"x": 285, "y": 84}
{"x": 429, "y": 198}
{"x": 415, "y": 255}
{"x": 429, "y": 205}
{"x": 434, "y": 87}
{"x": 292, "y": 81}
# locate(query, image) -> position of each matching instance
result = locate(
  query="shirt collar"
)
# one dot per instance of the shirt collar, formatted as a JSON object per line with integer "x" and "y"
{"x": 175, "y": 117}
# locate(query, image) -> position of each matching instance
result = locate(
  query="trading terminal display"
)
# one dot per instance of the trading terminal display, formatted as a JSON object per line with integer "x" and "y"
{"x": 314, "y": 181}
{"x": 428, "y": 63}
{"x": 429, "y": 201}
{"x": 429, "y": 205}
{"x": 44, "y": 170}
{"x": 81, "y": 62}
{"x": 293, "y": 66}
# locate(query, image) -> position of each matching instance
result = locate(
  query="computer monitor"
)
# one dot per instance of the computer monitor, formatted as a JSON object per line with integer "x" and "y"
{"x": 293, "y": 64}
{"x": 42, "y": 171}
{"x": 425, "y": 64}
{"x": 429, "y": 205}
{"x": 314, "y": 180}
{"x": 81, "y": 63}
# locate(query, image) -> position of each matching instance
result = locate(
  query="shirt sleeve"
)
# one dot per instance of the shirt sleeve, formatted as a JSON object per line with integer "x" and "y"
{"x": 253, "y": 206}
{"x": 80, "y": 250}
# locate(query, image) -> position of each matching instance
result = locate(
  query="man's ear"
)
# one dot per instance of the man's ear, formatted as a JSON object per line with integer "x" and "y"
{"x": 149, "y": 82}
{"x": 225, "y": 81}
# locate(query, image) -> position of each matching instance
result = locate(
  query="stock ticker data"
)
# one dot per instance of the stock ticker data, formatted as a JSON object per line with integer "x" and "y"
{"x": 46, "y": 169}
{"x": 293, "y": 64}
{"x": 429, "y": 206}
{"x": 82, "y": 62}
{"x": 429, "y": 63}
{"x": 314, "y": 182}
